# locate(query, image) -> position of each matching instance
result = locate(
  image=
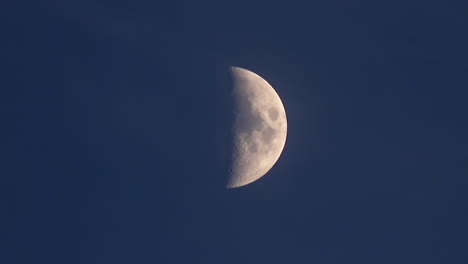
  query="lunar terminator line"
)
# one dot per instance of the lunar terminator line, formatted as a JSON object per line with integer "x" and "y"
{"x": 260, "y": 128}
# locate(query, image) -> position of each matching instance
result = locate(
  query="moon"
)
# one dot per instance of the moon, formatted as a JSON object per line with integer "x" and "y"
{"x": 259, "y": 128}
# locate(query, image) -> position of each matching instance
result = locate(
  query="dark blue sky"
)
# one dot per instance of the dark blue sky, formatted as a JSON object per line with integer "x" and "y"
{"x": 115, "y": 135}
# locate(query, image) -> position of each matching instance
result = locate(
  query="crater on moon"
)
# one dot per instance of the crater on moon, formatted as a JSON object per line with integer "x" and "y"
{"x": 268, "y": 134}
{"x": 273, "y": 113}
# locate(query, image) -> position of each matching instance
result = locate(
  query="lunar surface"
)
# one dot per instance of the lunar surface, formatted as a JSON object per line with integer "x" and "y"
{"x": 259, "y": 130}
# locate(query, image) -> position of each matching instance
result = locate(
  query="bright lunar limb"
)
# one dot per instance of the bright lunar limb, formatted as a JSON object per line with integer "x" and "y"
{"x": 259, "y": 130}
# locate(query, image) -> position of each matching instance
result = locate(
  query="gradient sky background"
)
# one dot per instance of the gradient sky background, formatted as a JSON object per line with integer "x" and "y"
{"x": 115, "y": 132}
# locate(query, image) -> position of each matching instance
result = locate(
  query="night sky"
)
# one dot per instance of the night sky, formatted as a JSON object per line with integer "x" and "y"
{"x": 115, "y": 132}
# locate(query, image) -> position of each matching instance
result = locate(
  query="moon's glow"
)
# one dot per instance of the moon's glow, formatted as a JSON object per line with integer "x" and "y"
{"x": 260, "y": 127}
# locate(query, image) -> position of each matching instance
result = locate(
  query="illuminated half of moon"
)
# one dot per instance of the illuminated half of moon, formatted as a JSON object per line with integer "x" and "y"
{"x": 259, "y": 130}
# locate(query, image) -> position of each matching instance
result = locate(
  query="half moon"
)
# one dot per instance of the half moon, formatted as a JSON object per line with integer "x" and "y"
{"x": 259, "y": 130}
